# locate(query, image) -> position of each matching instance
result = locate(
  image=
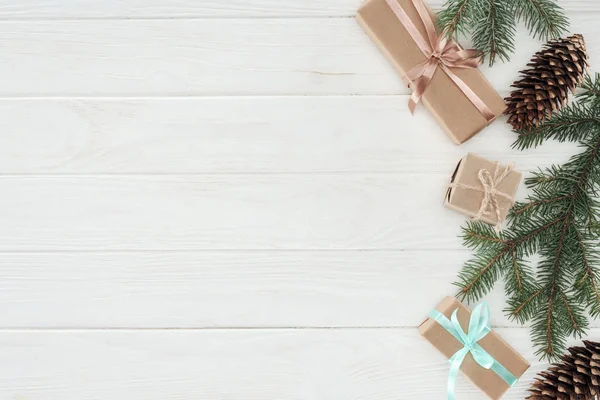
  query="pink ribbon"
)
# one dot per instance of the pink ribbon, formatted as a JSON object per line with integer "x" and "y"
{"x": 439, "y": 52}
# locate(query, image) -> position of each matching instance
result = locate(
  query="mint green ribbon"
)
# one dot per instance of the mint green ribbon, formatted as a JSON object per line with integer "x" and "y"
{"x": 479, "y": 327}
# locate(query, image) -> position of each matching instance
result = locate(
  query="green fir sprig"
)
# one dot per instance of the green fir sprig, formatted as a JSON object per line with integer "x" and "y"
{"x": 491, "y": 23}
{"x": 557, "y": 226}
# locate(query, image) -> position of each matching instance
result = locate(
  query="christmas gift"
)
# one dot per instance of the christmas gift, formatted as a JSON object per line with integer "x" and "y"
{"x": 471, "y": 346}
{"x": 441, "y": 74}
{"x": 483, "y": 190}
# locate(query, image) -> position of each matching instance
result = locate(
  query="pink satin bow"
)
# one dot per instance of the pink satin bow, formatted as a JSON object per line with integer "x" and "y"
{"x": 439, "y": 52}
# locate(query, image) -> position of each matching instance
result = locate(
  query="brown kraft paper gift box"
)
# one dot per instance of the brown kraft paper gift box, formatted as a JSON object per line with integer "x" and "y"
{"x": 487, "y": 380}
{"x": 445, "y": 101}
{"x": 468, "y": 201}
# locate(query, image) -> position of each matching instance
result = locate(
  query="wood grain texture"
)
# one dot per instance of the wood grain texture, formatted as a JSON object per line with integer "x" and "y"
{"x": 386, "y": 364}
{"x": 295, "y": 211}
{"x": 227, "y": 289}
{"x": 242, "y": 135}
{"x": 207, "y": 8}
{"x": 213, "y": 57}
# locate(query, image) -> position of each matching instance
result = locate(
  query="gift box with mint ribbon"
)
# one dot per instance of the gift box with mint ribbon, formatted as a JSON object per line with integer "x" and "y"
{"x": 467, "y": 340}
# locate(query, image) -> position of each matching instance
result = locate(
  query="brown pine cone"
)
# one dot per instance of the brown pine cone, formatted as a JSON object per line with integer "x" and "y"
{"x": 544, "y": 87}
{"x": 576, "y": 378}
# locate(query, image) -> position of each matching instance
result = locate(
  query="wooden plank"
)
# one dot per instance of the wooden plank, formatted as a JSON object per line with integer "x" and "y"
{"x": 226, "y": 288}
{"x": 213, "y": 57}
{"x": 241, "y": 135}
{"x": 295, "y": 211}
{"x": 236, "y": 365}
{"x": 206, "y": 8}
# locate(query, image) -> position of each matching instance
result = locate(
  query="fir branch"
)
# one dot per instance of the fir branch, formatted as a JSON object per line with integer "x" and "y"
{"x": 517, "y": 272}
{"x": 494, "y": 32}
{"x": 542, "y": 206}
{"x": 518, "y": 308}
{"x": 492, "y": 23}
{"x": 558, "y": 223}
{"x": 519, "y": 279}
{"x": 454, "y": 19}
{"x": 587, "y": 281}
{"x": 572, "y": 123}
{"x": 480, "y": 274}
{"x": 545, "y": 19}
{"x": 570, "y": 313}
{"x": 554, "y": 336}
{"x": 480, "y": 236}
{"x": 591, "y": 89}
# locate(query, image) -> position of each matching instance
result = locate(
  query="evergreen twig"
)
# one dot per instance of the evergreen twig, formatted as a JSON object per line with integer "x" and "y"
{"x": 591, "y": 91}
{"x": 544, "y": 18}
{"x": 558, "y": 223}
{"x": 453, "y": 17}
{"x": 494, "y": 33}
{"x": 492, "y": 23}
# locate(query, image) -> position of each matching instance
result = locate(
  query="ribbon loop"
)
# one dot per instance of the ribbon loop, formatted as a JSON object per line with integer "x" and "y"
{"x": 479, "y": 327}
{"x": 439, "y": 52}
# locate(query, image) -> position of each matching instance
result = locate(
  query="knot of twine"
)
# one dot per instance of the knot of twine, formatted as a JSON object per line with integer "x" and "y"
{"x": 489, "y": 188}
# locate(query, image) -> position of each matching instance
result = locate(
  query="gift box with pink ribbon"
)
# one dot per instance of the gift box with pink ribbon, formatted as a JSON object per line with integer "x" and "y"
{"x": 442, "y": 75}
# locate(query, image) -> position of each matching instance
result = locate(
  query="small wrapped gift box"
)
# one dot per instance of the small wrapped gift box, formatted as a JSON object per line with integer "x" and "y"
{"x": 475, "y": 346}
{"x": 458, "y": 95}
{"x": 482, "y": 189}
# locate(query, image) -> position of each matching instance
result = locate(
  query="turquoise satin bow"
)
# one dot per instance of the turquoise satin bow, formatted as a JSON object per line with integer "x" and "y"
{"x": 479, "y": 326}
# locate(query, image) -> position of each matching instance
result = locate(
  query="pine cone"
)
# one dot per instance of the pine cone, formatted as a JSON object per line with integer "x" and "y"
{"x": 544, "y": 87}
{"x": 576, "y": 378}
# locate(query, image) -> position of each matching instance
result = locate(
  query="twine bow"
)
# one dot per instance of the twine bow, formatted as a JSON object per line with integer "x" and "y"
{"x": 479, "y": 327}
{"x": 439, "y": 52}
{"x": 489, "y": 188}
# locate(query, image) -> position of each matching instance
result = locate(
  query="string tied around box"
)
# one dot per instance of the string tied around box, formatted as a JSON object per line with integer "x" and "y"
{"x": 491, "y": 193}
{"x": 440, "y": 52}
{"x": 479, "y": 327}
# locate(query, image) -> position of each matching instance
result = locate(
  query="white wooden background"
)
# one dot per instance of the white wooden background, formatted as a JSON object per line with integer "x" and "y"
{"x": 207, "y": 199}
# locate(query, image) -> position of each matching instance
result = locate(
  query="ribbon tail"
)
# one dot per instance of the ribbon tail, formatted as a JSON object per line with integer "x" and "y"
{"x": 412, "y": 103}
{"x": 419, "y": 88}
{"x": 420, "y": 76}
{"x": 456, "y": 360}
